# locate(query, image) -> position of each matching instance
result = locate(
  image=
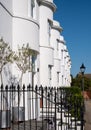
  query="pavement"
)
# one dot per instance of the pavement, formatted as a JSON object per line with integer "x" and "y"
{"x": 87, "y": 116}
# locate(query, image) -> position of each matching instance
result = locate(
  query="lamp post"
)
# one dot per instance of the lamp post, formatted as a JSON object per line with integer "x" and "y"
{"x": 82, "y": 68}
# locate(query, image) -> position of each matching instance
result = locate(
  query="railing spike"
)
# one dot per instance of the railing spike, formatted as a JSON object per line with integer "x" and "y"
{"x": 6, "y": 87}
{"x": 36, "y": 87}
{"x": 23, "y": 86}
{"x": 1, "y": 86}
{"x": 18, "y": 87}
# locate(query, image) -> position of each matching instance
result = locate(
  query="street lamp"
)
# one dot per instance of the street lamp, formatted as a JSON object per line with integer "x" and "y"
{"x": 82, "y": 68}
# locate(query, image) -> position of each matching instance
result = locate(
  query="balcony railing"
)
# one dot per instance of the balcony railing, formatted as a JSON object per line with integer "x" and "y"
{"x": 39, "y": 108}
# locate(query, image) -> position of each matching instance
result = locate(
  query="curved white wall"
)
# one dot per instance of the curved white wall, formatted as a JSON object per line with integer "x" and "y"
{"x": 45, "y": 14}
{"x": 22, "y": 8}
{"x": 46, "y": 57}
{"x": 17, "y": 28}
{"x": 25, "y": 28}
{"x": 25, "y": 31}
{"x": 56, "y": 29}
{"x": 46, "y": 49}
{"x": 5, "y": 24}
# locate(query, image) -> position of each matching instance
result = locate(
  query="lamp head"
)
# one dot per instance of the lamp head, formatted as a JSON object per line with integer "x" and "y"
{"x": 82, "y": 68}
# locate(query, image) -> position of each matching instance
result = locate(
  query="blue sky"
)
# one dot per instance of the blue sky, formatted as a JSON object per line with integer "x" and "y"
{"x": 75, "y": 18}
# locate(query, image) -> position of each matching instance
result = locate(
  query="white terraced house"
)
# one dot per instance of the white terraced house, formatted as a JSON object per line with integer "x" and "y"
{"x": 31, "y": 21}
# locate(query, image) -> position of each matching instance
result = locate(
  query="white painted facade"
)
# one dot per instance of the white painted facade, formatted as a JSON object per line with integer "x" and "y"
{"x": 53, "y": 68}
{"x": 56, "y": 70}
{"x": 31, "y": 21}
{"x": 46, "y": 49}
{"x": 17, "y": 27}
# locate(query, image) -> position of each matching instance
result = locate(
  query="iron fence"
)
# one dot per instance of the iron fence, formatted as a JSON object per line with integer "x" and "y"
{"x": 40, "y": 108}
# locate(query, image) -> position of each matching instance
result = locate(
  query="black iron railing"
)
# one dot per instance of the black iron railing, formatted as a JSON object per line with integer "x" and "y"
{"x": 40, "y": 108}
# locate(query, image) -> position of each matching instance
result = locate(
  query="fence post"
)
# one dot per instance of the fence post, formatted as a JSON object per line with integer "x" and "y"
{"x": 36, "y": 106}
{"x": 82, "y": 116}
{"x": 42, "y": 106}
{"x": 55, "y": 109}
{"x": 24, "y": 104}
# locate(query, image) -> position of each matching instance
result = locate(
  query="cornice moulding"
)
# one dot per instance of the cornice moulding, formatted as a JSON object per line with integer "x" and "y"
{"x": 48, "y": 4}
{"x": 61, "y": 41}
{"x": 60, "y": 29}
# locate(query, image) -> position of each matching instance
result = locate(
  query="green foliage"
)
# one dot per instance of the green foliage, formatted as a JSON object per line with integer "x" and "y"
{"x": 77, "y": 81}
{"x": 74, "y": 100}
